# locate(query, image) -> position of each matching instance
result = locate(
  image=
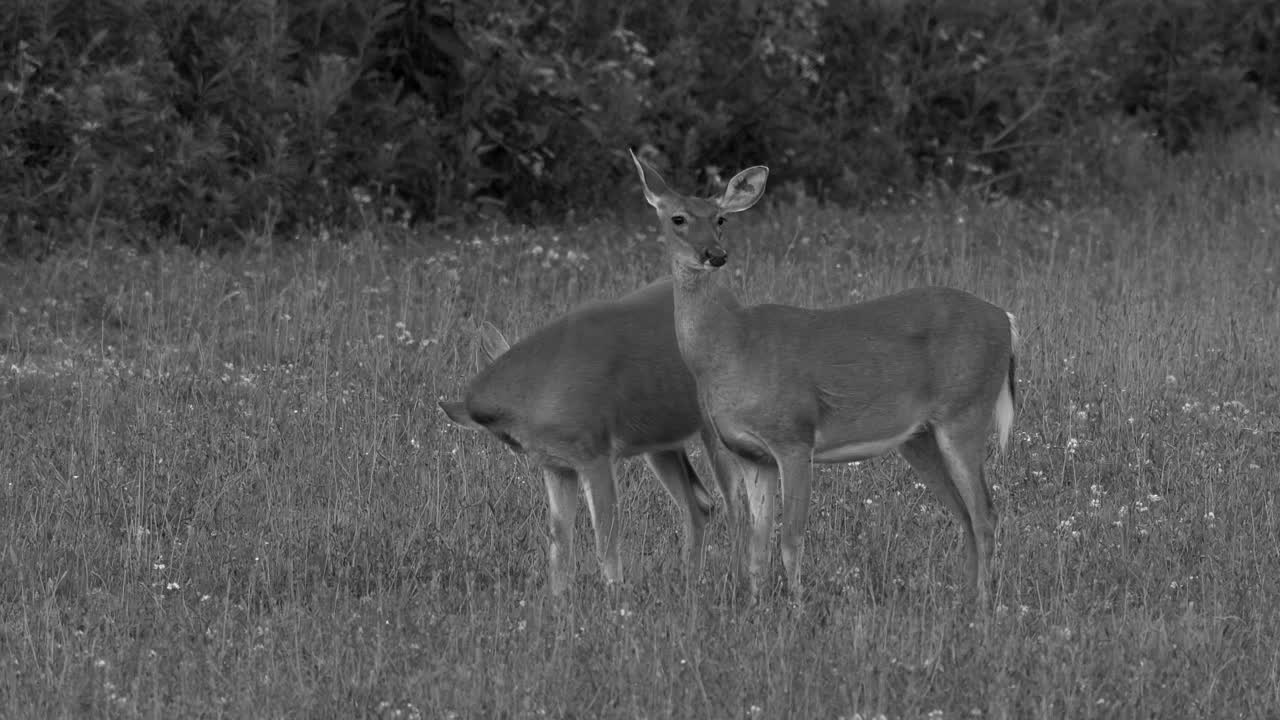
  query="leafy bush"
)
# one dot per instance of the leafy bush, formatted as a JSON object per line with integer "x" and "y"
{"x": 213, "y": 120}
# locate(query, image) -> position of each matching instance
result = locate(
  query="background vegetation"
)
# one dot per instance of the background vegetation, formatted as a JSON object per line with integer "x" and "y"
{"x": 212, "y": 121}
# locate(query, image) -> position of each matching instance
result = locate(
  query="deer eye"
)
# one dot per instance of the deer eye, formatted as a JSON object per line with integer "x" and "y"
{"x": 677, "y": 219}
{"x": 720, "y": 220}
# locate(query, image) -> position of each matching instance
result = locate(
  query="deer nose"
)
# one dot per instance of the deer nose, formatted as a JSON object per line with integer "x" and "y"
{"x": 715, "y": 256}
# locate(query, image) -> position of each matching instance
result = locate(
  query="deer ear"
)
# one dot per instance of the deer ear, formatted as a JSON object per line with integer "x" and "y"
{"x": 654, "y": 186}
{"x": 744, "y": 189}
{"x": 492, "y": 341}
{"x": 458, "y": 415}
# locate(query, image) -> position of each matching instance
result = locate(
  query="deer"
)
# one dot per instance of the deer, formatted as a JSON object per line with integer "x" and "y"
{"x": 601, "y": 383}
{"x": 925, "y": 372}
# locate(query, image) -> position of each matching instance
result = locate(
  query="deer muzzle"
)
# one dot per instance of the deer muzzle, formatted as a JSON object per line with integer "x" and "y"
{"x": 715, "y": 256}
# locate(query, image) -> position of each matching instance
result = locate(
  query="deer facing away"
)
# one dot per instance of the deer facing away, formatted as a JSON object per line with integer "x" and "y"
{"x": 600, "y": 383}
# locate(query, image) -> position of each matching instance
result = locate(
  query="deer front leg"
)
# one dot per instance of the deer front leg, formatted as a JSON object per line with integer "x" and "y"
{"x": 602, "y": 501}
{"x": 761, "y": 482}
{"x": 796, "y": 467}
{"x": 562, "y": 506}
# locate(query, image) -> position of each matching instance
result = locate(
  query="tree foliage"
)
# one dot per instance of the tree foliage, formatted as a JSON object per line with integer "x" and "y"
{"x": 210, "y": 120}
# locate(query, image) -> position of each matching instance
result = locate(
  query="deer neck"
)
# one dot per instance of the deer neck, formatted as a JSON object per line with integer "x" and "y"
{"x": 707, "y": 318}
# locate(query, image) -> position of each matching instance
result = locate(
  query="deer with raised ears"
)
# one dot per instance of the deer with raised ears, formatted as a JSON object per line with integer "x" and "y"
{"x": 924, "y": 372}
{"x": 604, "y": 382}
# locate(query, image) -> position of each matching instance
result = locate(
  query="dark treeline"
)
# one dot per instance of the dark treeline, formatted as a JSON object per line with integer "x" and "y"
{"x": 203, "y": 121}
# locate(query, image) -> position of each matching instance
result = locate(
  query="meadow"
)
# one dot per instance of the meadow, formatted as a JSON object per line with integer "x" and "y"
{"x": 226, "y": 489}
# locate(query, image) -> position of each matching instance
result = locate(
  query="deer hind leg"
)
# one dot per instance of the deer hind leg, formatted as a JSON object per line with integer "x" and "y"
{"x": 963, "y": 446}
{"x": 562, "y": 507}
{"x": 602, "y": 501}
{"x": 924, "y": 456}
{"x": 681, "y": 481}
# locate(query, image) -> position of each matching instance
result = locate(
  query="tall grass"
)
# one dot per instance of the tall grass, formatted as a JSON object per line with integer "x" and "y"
{"x": 226, "y": 489}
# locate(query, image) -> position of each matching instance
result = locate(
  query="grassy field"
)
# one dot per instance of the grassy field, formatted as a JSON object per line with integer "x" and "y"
{"x": 225, "y": 488}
